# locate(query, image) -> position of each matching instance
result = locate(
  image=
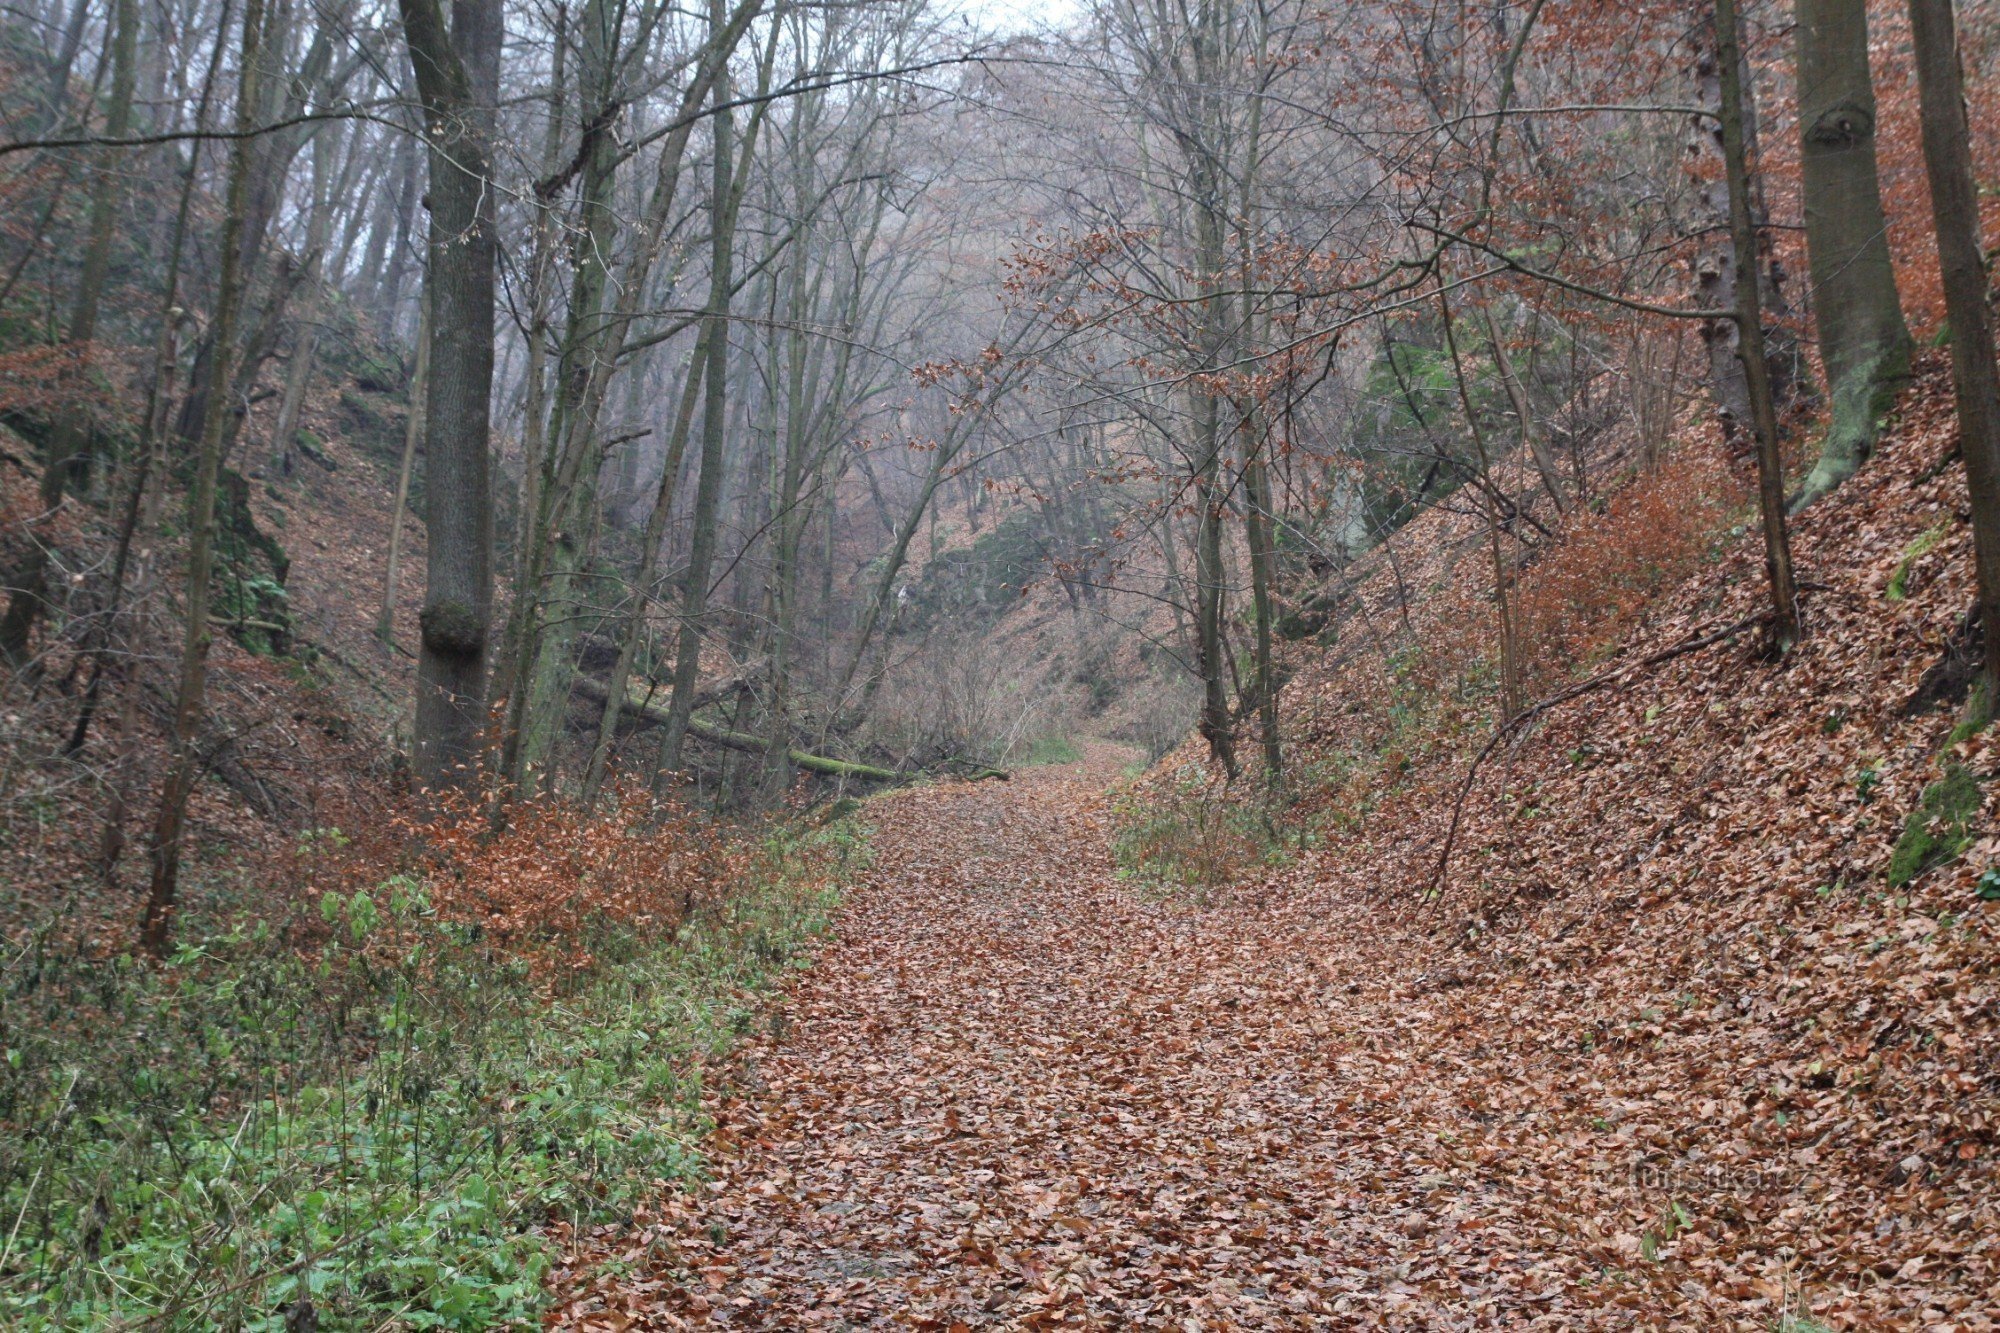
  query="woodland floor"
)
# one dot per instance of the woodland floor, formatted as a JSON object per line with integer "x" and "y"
{"x": 1015, "y": 1091}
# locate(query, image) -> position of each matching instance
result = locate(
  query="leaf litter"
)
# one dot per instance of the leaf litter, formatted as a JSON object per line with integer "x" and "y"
{"x": 1668, "y": 1052}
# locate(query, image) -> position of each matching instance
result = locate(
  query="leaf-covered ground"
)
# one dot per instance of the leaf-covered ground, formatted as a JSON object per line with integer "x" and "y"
{"x": 1673, "y": 1049}
{"x": 1018, "y": 1092}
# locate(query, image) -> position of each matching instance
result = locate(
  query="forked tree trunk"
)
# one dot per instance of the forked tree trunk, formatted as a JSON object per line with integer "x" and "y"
{"x": 1862, "y": 338}
{"x": 1975, "y": 379}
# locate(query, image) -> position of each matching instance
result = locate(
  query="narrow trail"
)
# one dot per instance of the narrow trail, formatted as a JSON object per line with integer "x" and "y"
{"x": 1015, "y": 1092}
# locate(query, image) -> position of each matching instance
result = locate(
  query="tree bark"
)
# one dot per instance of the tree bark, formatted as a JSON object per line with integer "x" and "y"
{"x": 715, "y": 402}
{"x": 1863, "y": 340}
{"x": 185, "y": 762}
{"x": 457, "y": 75}
{"x": 650, "y": 542}
{"x": 1975, "y": 379}
{"x": 1716, "y": 263}
{"x": 1750, "y": 333}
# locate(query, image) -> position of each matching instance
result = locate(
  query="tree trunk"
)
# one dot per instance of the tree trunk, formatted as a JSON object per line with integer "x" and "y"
{"x": 650, "y": 542}
{"x": 1211, "y": 495}
{"x": 413, "y": 429}
{"x": 708, "y": 485}
{"x": 650, "y": 715}
{"x": 1517, "y": 398}
{"x": 457, "y": 74}
{"x": 389, "y": 294}
{"x": 552, "y": 601}
{"x": 1716, "y": 263}
{"x": 185, "y": 762}
{"x": 1975, "y": 379}
{"x": 71, "y": 431}
{"x": 1862, "y": 338}
{"x": 1750, "y": 334}
{"x": 305, "y": 342}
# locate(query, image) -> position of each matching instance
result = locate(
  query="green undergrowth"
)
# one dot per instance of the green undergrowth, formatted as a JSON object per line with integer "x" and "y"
{"x": 371, "y": 1133}
{"x": 1185, "y": 835}
{"x": 1050, "y": 750}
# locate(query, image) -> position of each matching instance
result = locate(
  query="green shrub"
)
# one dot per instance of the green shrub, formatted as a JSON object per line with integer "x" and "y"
{"x": 1189, "y": 835}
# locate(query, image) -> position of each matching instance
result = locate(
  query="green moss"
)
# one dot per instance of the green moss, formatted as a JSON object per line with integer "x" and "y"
{"x": 1899, "y": 582}
{"x": 1939, "y": 828}
{"x": 1862, "y": 398}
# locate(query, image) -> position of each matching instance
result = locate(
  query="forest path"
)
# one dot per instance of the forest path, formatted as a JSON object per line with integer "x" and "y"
{"x": 1015, "y": 1092}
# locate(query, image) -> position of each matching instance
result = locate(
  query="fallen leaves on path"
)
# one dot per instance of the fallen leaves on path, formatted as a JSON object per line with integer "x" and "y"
{"x": 1669, "y": 1054}
{"x": 1017, "y": 1092}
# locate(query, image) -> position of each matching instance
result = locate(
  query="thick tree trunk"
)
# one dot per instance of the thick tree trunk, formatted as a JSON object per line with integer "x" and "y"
{"x": 1975, "y": 378}
{"x": 457, "y": 74}
{"x": 1862, "y": 338}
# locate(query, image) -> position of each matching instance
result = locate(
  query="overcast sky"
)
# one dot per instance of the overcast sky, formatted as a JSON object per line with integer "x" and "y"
{"x": 1015, "y": 15}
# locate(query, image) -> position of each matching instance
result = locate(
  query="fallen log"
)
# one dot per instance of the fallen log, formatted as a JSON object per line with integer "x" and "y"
{"x": 652, "y": 715}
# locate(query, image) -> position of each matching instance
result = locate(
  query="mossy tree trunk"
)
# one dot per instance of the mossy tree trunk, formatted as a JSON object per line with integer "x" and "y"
{"x": 1863, "y": 340}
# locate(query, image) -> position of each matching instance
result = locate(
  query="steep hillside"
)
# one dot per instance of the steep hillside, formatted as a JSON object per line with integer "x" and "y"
{"x": 1707, "y": 997}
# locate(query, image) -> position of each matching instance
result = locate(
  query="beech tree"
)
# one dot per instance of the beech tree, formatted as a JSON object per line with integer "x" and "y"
{"x": 1975, "y": 378}
{"x": 1863, "y": 340}
{"x": 457, "y": 68}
